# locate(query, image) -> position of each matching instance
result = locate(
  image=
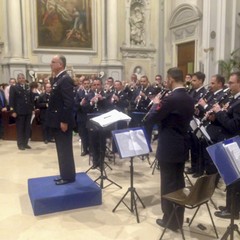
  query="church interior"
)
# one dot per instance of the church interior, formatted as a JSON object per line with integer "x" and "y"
{"x": 104, "y": 39}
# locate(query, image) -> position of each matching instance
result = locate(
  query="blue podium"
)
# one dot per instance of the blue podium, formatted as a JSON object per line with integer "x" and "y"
{"x": 47, "y": 197}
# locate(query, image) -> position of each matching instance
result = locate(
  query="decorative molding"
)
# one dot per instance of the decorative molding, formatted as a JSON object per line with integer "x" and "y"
{"x": 136, "y": 52}
{"x": 183, "y": 15}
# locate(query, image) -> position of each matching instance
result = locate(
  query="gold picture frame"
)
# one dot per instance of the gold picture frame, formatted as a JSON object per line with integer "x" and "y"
{"x": 64, "y": 25}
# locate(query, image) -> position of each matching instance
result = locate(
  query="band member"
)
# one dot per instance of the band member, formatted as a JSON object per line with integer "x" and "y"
{"x": 226, "y": 124}
{"x": 197, "y": 91}
{"x": 174, "y": 113}
{"x": 215, "y": 95}
{"x": 158, "y": 85}
{"x": 60, "y": 118}
{"x": 83, "y": 107}
{"x": 42, "y": 104}
{"x": 188, "y": 81}
{"x": 119, "y": 99}
{"x": 140, "y": 102}
{"x": 99, "y": 105}
{"x": 21, "y": 104}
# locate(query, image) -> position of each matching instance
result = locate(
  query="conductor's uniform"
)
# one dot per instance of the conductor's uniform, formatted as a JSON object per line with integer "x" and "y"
{"x": 60, "y": 109}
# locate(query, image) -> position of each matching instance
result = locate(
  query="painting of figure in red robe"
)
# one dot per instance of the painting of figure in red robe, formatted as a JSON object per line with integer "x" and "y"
{"x": 64, "y": 24}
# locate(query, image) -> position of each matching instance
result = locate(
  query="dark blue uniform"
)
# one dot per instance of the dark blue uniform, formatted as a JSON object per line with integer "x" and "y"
{"x": 21, "y": 102}
{"x": 174, "y": 114}
{"x": 60, "y": 109}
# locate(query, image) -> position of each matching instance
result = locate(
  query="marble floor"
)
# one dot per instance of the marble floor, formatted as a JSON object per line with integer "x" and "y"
{"x": 17, "y": 221}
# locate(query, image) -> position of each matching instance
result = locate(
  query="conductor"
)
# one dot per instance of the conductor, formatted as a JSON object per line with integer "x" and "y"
{"x": 60, "y": 118}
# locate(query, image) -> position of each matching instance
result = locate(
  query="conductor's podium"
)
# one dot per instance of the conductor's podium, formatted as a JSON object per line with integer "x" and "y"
{"x": 10, "y": 131}
{"x": 47, "y": 197}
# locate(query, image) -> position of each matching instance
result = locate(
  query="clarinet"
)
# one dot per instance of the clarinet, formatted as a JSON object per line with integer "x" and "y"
{"x": 160, "y": 98}
{"x": 219, "y": 102}
{"x": 139, "y": 97}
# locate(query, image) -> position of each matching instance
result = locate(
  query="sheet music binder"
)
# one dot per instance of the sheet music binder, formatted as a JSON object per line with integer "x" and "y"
{"x": 226, "y": 157}
{"x": 110, "y": 117}
{"x": 131, "y": 142}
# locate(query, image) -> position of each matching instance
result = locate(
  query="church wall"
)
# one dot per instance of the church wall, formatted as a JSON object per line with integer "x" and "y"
{"x": 116, "y": 51}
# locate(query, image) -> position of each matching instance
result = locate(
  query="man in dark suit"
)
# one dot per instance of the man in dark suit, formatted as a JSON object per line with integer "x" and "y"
{"x": 174, "y": 113}
{"x": 226, "y": 124}
{"x": 21, "y": 104}
{"x": 60, "y": 118}
{"x": 3, "y": 108}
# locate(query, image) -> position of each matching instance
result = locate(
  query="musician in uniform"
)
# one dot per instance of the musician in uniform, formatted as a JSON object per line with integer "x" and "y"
{"x": 42, "y": 104}
{"x": 215, "y": 95}
{"x": 98, "y": 103}
{"x": 197, "y": 91}
{"x": 174, "y": 113}
{"x": 83, "y": 107}
{"x": 140, "y": 101}
{"x": 21, "y": 104}
{"x": 225, "y": 123}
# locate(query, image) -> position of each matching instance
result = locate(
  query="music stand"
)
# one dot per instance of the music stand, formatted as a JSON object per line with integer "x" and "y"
{"x": 224, "y": 158}
{"x": 105, "y": 123}
{"x": 131, "y": 143}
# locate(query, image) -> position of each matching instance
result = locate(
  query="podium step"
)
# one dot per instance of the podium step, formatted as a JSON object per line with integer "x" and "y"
{"x": 47, "y": 197}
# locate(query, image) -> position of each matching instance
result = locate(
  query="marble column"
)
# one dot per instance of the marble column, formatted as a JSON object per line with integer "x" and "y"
{"x": 14, "y": 28}
{"x": 112, "y": 31}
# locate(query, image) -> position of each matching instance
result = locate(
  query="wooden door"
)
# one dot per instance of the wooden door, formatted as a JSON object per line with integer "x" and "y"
{"x": 186, "y": 56}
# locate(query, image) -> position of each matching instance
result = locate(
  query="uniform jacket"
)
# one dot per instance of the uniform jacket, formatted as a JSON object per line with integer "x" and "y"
{"x": 227, "y": 123}
{"x": 61, "y": 102}
{"x": 173, "y": 114}
{"x": 21, "y": 99}
{"x": 142, "y": 104}
{"x": 42, "y": 104}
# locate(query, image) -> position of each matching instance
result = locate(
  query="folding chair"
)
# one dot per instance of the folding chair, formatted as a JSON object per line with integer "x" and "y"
{"x": 194, "y": 197}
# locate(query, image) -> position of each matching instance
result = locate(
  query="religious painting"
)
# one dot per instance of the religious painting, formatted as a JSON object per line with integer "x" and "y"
{"x": 64, "y": 24}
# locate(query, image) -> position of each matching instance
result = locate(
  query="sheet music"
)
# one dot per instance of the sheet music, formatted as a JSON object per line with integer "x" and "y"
{"x": 233, "y": 152}
{"x": 110, "y": 117}
{"x": 196, "y": 124}
{"x": 132, "y": 143}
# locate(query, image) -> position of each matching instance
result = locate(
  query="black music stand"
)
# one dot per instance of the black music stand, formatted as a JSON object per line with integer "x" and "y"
{"x": 224, "y": 157}
{"x": 131, "y": 142}
{"x": 106, "y": 123}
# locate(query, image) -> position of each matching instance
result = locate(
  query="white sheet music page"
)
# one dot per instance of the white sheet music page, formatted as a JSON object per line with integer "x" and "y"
{"x": 132, "y": 143}
{"x": 233, "y": 152}
{"x": 110, "y": 117}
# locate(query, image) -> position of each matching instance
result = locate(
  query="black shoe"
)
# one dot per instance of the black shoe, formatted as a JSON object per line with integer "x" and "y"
{"x": 57, "y": 179}
{"x": 225, "y": 214}
{"x": 28, "y": 147}
{"x": 62, "y": 182}
{"x": 21, "y": 148}
{"x": 222, "y": 208}
{"x": 46, "y": 141}
{"x": 161, "y": 223}
{"x": 84, "y": 153}
{"x": 196, "y": 175}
